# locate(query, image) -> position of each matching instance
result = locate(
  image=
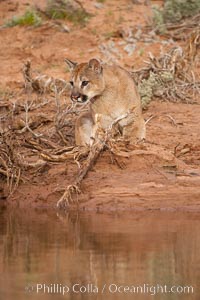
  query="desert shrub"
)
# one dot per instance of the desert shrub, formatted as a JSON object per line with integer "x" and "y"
{"x": 30, "y": 18}
{"x": 67, "y": 9}
{"x": 158, "y": 19}
{"x": 174, "y": 11}
{"x": 154, "y": 85}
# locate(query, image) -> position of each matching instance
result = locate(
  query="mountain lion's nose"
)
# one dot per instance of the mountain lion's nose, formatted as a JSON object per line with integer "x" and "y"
{"x": 75, "y": 96}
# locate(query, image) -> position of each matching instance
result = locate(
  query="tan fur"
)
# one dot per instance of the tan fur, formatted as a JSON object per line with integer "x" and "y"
{"x": 112, "y": 94}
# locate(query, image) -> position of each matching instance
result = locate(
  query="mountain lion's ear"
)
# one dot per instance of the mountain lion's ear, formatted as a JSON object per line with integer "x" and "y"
{"x": 70, "y": 64}
{"x": 95, "y": 65}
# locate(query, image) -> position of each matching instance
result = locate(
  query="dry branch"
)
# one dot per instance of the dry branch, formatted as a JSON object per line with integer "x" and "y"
{"x": 171, "y": 76}
{"x": 42, "y": 83}
{"x": 182, "y": 29}
{"x": 101, "y": 141}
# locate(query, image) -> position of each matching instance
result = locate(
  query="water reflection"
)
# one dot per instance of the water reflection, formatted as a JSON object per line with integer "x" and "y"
{"x": 44, "y": 247}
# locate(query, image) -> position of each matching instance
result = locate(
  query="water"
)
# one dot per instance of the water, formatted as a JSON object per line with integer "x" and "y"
{"x": 44, "y": 252}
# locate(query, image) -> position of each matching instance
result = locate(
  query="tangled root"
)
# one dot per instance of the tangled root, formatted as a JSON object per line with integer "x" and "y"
{"x": 68, "y": 196}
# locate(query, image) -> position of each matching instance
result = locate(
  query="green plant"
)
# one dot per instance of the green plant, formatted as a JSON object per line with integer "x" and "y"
{"x": 141, "y": 52}
{"x": 154, "y": 85}
{"x": 174, "y": 11}
{"x": 158, "y": 19}
{"x": 109, "y": 13}
{"x": 94, "y": 31}
{"x": 30, "y": 18}
{"x": 67, "y": 9}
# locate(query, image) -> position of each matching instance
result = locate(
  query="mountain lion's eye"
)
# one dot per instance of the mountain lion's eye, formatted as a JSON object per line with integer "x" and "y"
{"x": 84, "y": 83}
{"x": 71, "y": 82}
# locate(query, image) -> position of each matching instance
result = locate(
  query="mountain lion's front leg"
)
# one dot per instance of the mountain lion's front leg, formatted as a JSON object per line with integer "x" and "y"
{"x": 84, "y": 129}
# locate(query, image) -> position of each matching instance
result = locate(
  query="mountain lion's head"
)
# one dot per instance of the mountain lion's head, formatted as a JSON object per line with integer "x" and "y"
{"x": 86, "y": 80}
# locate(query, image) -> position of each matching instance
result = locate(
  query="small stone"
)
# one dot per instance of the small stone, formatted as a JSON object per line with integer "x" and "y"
{"x": 130, "y": 48}
{"x": 98, "y": 5}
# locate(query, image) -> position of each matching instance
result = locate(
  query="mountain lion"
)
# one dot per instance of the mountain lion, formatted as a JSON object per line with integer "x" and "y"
{"x": 112, "y": 95}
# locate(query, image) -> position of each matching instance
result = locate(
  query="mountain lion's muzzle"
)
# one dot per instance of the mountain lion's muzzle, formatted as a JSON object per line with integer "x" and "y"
{"x": 78, "y": 97}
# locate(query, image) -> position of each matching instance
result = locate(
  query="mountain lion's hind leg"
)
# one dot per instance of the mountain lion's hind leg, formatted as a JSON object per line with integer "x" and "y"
{"x": 135, "y": 130}
{"x": 84, "y": 130}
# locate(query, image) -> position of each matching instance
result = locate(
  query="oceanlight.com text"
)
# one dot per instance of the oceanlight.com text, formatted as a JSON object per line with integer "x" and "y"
{"x": 111, "y": 288}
